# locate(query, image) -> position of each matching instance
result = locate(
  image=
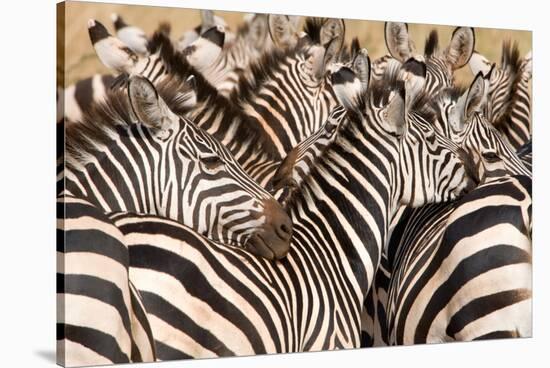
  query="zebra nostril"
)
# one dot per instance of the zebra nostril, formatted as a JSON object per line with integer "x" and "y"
{"x": 285, "y": 228}
{"x": 284, "y": 232}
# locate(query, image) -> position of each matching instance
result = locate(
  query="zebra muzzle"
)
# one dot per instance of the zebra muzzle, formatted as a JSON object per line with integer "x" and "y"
{"x": 272, "y": 240}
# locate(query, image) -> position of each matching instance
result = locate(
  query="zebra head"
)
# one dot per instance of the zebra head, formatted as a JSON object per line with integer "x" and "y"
{"x": 429, "y": 167}
{"x": 459, "y": 116}
{"x": 208, "y": 20}
{"x": 317, "y": 46}
{"x": 440, "y": 64}
{"x": 298, "y": 163}
{"x": 508, "y": 104}
{"x": 222, "y": 201}
{"x": 205, "y": 50}
{"x": 117, "y": 56}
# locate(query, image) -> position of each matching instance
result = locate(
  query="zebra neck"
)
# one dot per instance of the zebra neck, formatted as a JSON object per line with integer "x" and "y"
{"x": 281, "y": 102}
{"x": 247, "y": 143}
{"x": 348, "y": 196}
{"x": 519, "y": 112}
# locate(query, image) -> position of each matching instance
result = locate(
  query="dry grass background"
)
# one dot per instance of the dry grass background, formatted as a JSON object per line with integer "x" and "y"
{"x": 81, "y": 61}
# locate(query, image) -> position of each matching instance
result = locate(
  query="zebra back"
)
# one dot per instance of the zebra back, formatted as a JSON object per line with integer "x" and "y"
{"x": 92, "y": 280}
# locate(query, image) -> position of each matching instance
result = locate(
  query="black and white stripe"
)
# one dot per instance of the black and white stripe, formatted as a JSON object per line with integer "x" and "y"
{"x": 220, "y": 301}
{"x": 493, "y": 157}
{"x": 168, "y": 166}
{"x": 93, "y": 281}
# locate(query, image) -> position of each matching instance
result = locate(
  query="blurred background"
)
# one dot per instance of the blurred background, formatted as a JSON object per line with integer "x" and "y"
{"x": 81, "y": 61}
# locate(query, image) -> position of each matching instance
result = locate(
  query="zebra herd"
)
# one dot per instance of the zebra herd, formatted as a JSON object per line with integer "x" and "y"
{"x": 274, "y": 190}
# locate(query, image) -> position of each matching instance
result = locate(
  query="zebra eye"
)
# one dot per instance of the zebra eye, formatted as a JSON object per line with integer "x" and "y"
{"x": 211, "y": 162}
{"x": 330, "y": 128}
{"x": 490, "y": 156}
{"x": 430, "y": 137}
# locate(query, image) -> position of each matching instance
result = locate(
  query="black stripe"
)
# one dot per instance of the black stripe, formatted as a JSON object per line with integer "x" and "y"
{"x": 102, "y": 290}
{"x": 152, "y": 258}
{"x": 84, "y": 93}
{"x": 98, "y": 242}
{"x": 468, "y": 269}
{"x": 497, "y": 335}
{"x": 100, "y": 342}
{"x": 483, "y": 306}
{"x": 140, "y": 315}
{"x": 170, "y": 314}
{"x": 165, "y": 352}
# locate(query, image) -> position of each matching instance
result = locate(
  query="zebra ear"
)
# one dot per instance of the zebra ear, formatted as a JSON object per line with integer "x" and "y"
{"x": 206, "y": 49}
{"x": 332, "y": 51}
{"x": 398, "y": 41}
{"x": 281, "y": 30}
{"x": 479, "y": 63}
{"x": 348, "y": 88}
{"x": 362, "y": 66}
{"x": 207, "y": 19}
{"x": 331, "y": 29}
{"x": 394, "y": 113}
{"x": 258, "y": 31}
{"x": 474, "y": 97}
{"x": 461, "y": 48}
{"x": 147, "y": 105}
{"x": 295, "y": 21}
{"x": 111, "y": 51}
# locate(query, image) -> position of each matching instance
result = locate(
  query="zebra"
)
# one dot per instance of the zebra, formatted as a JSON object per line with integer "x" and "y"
{"x": 466, "y": 287}
{"x": 208, "y": 20}
{"x": 132, "y": 36}
{"x": 244, "y": 126}
{"x": 115, "y": 55}
{"x": 79, "y": 97}
{"x": 440, "y": 64}
{"x": 509, "y": 105}
{"x": 459, "y": 116}
{"x": 301, "y": 159}
{"x": 289, "y": 95}
{"x": 164, "y": 164}
{"x": 525, "y": 153}
{"x": 310, "y": 300}
{"x": 92, "y": 281}
{"x": 250, "y": 42}
{"x": 486, "y": 147}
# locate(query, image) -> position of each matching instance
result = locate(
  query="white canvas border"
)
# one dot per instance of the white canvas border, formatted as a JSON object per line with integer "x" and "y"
{"x": 27, "y": 182}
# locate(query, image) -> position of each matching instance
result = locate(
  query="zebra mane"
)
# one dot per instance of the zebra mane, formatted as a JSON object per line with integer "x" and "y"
{"x": 242, "y": 30}
{"x": 381, "y": 91}
{"x": 510, "y": 57}
{"x": 510, "y": 63}
{"x": 312, "y": 28}
{"x": 261, "y": 70}
{"x": 100, "y": 125}
{"x": 180, "y": 69}
{"x": 432, "y": 44}
{"x": 452, "y": 93}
